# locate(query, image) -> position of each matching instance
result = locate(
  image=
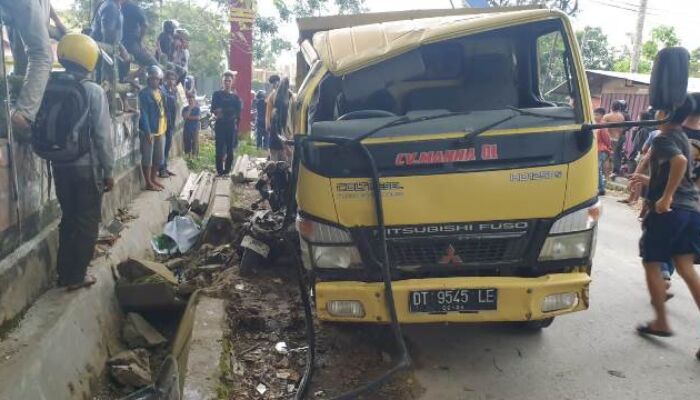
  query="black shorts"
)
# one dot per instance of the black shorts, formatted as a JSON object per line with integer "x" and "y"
{"x": 670, "y": 234}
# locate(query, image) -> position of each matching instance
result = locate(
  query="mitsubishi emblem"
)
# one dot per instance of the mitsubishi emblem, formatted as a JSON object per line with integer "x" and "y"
{"x": 451, "y": 257}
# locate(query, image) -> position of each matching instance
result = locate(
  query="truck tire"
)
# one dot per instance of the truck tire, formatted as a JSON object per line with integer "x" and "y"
{"x": 250, "y": 261}
{"x": 537, "y": 325}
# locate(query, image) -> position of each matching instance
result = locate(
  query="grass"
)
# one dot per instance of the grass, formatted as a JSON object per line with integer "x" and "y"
{"x": 207, "y": 153}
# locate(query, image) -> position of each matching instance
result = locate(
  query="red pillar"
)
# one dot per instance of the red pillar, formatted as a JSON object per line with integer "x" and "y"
{"x": 242, "y": 16}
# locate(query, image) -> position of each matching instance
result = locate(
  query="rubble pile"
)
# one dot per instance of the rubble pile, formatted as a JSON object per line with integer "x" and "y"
{"x": 266, "y": 344}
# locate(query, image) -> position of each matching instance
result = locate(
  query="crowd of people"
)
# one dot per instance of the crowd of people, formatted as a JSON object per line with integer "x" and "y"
{"x": 662, "y": 163}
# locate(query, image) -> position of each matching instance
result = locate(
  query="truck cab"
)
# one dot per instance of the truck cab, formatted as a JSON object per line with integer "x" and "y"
{"x": 488, "y": 177}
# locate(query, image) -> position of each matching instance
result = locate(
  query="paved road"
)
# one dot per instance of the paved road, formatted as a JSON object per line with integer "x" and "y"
{"x": 590, "y": 355}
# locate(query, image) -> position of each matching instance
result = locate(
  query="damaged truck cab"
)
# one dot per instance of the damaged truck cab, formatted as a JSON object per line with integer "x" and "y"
{"x": 488, "y": 178}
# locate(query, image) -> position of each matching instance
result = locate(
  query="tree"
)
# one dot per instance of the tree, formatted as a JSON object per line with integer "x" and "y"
{"x": 595, "y": 49}
{"x": 695, "y": 63}
{"x": 267, "y": 43}
{"x": 661, "y": 36}
{"x": 309, "y": 8}
{"x": 568, "y": 6}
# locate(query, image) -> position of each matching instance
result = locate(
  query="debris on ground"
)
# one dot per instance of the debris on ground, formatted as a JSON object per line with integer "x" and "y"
{"x": 131, "y": 368}
{"x": 247, "y": 169}
{"x": 147, "y": 285}
{"x": 137, "y": 332}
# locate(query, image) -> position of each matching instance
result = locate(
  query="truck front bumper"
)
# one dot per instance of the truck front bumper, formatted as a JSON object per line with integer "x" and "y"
{"x": 519, "y": 299}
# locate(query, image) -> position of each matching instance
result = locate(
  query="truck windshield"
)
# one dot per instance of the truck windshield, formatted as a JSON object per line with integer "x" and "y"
{"x": 527, "y": 67}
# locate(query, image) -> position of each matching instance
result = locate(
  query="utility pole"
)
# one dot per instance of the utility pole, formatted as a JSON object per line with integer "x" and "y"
{"x": 637, "y": 45}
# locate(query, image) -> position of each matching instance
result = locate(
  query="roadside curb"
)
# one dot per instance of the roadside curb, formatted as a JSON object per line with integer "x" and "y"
{"x": 60, "y": 348}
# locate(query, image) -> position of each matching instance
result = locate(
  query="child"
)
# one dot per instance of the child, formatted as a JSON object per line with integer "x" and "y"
{"x": 672, "y": 227}
{"x": 191, "y": 113}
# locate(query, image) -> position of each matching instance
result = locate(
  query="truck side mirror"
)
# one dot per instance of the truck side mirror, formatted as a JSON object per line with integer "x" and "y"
{"x": 669, "y": 78}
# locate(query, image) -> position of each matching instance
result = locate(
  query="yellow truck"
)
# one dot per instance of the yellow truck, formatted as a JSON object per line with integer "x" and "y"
{"x": 474, "y": 125}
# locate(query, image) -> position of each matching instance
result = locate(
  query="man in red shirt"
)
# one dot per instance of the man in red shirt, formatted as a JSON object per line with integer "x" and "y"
{"x": 604, "y": 150}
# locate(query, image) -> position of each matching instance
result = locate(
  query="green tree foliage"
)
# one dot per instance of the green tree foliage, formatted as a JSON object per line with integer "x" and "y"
{"x": 568, "y": 6}
{"x": 267, "y": 42}
{"x": 310, "y": 8}
{"x": 661, "y": 36}
{"x": 595, "y": 48}
{"x": 695, "y": 63}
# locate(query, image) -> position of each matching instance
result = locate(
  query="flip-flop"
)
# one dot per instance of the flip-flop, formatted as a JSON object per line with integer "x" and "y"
{"x": 646, "y": 330}
{"x": 87, "y": 282}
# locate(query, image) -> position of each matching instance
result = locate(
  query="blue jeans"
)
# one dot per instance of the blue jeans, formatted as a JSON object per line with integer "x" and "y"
{"x": 166, "y": 150}
{"x": 602, "y": 158}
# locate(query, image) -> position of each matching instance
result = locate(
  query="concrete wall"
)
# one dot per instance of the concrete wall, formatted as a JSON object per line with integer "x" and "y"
{"x": 27, "y": 258}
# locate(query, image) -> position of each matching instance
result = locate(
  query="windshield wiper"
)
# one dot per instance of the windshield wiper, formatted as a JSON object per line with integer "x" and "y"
{"x": 405, "y": 121}
{"x": 478, "y": 131}
{"x": 535, "y": 114}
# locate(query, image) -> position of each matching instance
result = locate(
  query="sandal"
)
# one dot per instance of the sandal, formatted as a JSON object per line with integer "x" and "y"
{"x": 88, "y": 281}
{"x": 646, "y": 330}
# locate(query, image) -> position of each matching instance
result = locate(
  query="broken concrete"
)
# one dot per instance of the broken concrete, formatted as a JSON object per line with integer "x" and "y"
{"x": 134, "y": 269}
{"x": 202, "y": 373}
{"x": 66, "y": 335}
{"x": 219, "y": 226}
{"x": 137, "y": 332}
{"x": 131, "y": 368}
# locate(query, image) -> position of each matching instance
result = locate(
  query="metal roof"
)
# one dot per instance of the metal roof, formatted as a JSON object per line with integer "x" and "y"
{"x": 355, "y": 47}
{"x": 693, "y": 83}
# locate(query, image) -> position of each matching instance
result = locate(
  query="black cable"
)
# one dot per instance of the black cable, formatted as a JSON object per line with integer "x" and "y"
{"x": 404, "y": 359}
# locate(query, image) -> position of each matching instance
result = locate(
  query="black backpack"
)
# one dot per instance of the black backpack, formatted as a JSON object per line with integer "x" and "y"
{"x": 61, "y": 130}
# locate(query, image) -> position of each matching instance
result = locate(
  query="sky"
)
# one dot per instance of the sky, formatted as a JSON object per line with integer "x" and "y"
{"x": 616, "y": 18}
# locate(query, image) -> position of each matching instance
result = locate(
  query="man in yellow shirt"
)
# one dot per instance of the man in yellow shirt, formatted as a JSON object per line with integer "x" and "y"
{"x": 153, "y": 124}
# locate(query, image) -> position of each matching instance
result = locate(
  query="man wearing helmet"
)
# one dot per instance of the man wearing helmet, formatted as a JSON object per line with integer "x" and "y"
{"x": 81, "y": 183}
{"x": 153, "y": 123}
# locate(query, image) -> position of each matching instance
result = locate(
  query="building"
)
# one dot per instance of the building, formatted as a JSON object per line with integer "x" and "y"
{"x": 608, "y": 86}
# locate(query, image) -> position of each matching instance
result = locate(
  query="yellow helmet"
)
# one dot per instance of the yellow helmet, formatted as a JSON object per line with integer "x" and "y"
{"x": 76, "y": 50}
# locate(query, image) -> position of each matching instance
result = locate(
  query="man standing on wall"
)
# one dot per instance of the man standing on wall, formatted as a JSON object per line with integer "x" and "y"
{"x": 226, "y": 106}
{"x": 31, "y": 21}
{"x": 81, "y": 183}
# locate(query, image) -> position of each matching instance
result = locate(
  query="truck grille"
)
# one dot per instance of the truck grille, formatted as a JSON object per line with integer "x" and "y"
{"x": 481, "y": 250}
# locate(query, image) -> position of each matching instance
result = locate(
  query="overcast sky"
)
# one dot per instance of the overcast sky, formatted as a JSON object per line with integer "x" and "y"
{"x": 616, "y": 18}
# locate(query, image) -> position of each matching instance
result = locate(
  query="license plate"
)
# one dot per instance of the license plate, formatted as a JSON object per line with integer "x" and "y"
{"x": 257, "y": 246}
{"x": 452, "y": 300}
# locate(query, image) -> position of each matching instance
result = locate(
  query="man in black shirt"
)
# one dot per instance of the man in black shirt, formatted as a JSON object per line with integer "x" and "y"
{"x": 135, "y": 28}
{"x": 226, "y": 106}
{"x": 671, "y": 230}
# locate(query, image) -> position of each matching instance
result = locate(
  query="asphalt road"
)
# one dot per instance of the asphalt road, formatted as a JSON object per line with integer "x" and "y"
{"x": 594, "y": 354}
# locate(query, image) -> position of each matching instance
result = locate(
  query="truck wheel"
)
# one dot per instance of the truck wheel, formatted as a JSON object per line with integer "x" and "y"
{"x": 250, "y": 262}
{"x": 537, "y": 325}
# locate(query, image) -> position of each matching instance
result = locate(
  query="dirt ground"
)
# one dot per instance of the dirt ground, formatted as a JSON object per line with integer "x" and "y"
{"x": 265, "y": 309}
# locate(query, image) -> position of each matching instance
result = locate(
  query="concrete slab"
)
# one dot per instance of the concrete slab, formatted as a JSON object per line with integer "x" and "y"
{"x": 63, "y": 342}
{"x": 203, "y": 372}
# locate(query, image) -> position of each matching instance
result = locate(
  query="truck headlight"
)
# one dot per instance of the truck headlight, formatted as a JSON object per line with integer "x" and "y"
{"x": 572, "y": 236}
{"x": 326, "y": 246}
